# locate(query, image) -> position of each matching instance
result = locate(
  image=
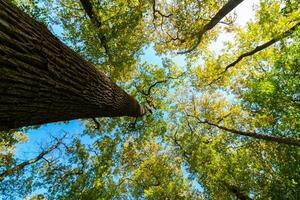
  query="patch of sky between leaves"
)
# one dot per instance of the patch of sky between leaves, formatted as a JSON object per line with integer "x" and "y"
{"x": 44, "y": 136}
{"x": 150, "y": 56}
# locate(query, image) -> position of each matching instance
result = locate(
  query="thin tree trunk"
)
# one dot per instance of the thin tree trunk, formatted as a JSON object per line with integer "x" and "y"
{"x": 42, "y": 80}
{"x": 227, "y": 8}
{"x": 271, "y": 138}
{"x": 96, "y": 20}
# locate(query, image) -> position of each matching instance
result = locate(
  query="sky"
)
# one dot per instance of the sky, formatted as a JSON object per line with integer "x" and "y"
{"x": 42, "y": 136}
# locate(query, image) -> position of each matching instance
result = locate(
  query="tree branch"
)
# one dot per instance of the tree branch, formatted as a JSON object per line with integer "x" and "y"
{"x": 150, "y": 104}
{"x": 256, "y": 50}
{"x": 158, "y": 11}
{"x": 176, "y": 141}
{"x": 148, "y": 93}
{"x": 97, "y": 124}
{"x": 271, "y": 138}
{"x": 29, "y": 162}
{"x": 227, "y": 8}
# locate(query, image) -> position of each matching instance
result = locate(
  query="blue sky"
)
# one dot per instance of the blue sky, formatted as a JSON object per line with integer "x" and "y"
{"x": 41, "y": 137}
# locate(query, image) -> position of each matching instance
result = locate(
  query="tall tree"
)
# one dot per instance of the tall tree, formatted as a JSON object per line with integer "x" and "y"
{"x": 42, "y": 80}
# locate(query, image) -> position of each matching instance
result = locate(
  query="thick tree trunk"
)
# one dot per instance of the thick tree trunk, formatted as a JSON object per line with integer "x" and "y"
{"x": 42, "y": 80}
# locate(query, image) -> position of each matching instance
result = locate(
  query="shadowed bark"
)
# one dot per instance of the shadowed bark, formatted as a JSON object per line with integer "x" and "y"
{"x": 42, "y": 80}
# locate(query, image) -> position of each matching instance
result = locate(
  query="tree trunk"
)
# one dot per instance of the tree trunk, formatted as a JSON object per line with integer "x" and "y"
{"x": 42, "y": 80}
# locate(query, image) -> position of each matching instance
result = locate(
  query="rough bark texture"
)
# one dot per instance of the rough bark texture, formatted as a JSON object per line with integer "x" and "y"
{"x": 42, "y": 80}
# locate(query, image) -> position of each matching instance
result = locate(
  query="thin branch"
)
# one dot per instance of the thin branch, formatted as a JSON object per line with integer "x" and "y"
{"x": 174, "y": 38}
{"x": 148, "y": 93}
{"x": 29, "y": 162}
{"x": 227, "y": 8}
{"x": 256, "y": 50}
{"x": 158, "y": 11}
{"x": 96, "y": 123}
{"x": 189, "y": 126}
{"x": 155, "y": 84}
{"x": 176, "y": 141}
{"x": 139, "y": 90}
{"x": 263, "y": 46}
{"x": 271, "y": 138}
{"x": 223, "y": 117}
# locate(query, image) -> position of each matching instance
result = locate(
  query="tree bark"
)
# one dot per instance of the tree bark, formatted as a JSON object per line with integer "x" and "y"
{"x": 42, "y": 80}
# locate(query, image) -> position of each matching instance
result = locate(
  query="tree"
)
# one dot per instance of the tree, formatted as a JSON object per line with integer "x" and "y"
{"x": 223, "y": 124}
{"x": 43, "y": 81}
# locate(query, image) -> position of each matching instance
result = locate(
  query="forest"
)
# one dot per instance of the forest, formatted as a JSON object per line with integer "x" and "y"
{"x": 150, "y": 99}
